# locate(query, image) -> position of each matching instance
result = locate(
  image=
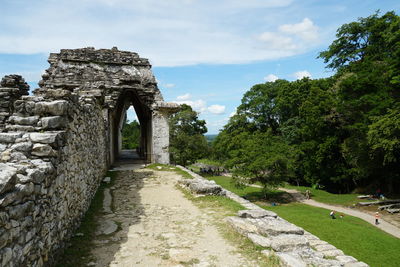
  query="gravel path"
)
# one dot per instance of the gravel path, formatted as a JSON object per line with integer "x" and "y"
{"x": 383, "y": 225}
{"x": 158, "y": 226}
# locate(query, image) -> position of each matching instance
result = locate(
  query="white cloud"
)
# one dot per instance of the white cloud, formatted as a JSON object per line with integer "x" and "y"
{"x": 216, "y": 109}
{"x": 301, "y": 74}
{"x": 277, "y": 41}
{"x": 198, "y": 105}
{"x": 184, "y": 97}
{"x": 271, "y": 78}
{"x": 169, "y": 33}
{"x": 306, "y": 30}
{"x": 291, "y": 39}
{"x": 169, "y": 85}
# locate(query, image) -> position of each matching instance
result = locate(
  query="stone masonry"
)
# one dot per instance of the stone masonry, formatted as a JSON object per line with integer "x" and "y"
{"x": 56, "y": 145}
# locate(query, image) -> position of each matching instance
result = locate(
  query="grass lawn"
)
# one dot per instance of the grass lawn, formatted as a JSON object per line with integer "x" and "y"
{"x": 352, "y": 235}
{"x": 328, "y": 198}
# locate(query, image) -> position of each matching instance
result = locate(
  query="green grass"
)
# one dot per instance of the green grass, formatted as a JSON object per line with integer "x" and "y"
{"x": 163, "y": 167}
{"x": 78, "y": 252}
{"x": 250, "y": 193}
{"x": 328, "y": 198}
{"x": 316, "y": 194}
{"x": 350, "y": 234}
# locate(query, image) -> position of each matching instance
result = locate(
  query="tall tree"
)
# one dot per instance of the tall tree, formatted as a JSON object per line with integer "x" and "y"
{"x": 187, "y": 141}
{"x": 366, "y": 54}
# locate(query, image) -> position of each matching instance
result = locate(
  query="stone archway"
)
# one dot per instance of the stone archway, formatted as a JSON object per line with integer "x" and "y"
{"x": 117, "y": 79}
{"x": 127, "y": 99}
{"x": 57, "y": 144}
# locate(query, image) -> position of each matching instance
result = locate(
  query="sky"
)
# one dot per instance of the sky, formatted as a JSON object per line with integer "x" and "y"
{"x": 206, "y": 53}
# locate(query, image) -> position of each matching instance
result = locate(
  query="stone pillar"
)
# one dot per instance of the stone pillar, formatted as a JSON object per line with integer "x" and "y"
{"x": 160, "y": 136}
{"x": 12, "y": 87}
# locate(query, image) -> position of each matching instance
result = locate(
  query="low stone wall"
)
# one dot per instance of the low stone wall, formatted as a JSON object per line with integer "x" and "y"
{"x": 294, "y": 246}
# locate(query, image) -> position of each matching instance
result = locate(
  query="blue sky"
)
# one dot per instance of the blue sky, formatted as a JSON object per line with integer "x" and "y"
{"x": 205, "y": 53}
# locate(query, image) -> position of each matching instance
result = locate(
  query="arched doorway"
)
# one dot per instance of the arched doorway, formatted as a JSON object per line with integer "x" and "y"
{"x": 128, "y": 98}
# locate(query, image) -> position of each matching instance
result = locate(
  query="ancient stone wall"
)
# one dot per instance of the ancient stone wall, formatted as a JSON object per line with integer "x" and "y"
{"x": 56, "y": 145}
{"x": 49, "y": 174}
{"x": 12, "y": 87}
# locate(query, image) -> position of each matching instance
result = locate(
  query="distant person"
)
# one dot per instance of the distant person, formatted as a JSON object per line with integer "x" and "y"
{"x": 308, "y": 194}
{"x": 377, "y": 216}
{"x": 332, "y": 214}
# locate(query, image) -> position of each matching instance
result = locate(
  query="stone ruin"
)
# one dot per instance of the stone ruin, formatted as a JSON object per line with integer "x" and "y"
{"x": 56, "y": 145}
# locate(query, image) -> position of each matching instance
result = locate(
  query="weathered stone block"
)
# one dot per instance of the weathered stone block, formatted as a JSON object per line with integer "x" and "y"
{"x": 23, "y": 147}
{"x": 45, "y": 138}
{"x": 31, "y": 120}
{"x": 2, "y": 147}
{"x": 288, "y": 242}
{"x": 291, "y": 260}
{"x": 8, "y": 177}
{"x": 271, "y": 226}
{"x": 260, "y": 240}
{"x": 43, "y": 150}
{"x": 54, "y": 122}
{"x": 56, "y": 108}
{"x": 259, "y": 213}
{"x": 332, "y": 253}
{"x": 9, "y": 137}
{"x": 241, "y": 225}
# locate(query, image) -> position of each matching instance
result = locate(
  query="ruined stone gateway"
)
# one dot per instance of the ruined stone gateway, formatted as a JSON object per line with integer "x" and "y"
{"x": 56, "y": 145}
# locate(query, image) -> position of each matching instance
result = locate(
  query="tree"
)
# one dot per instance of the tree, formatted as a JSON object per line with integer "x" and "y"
{"x": 261, "y": 157}
{"x": 130, "y": 135}
{"x": 187, "y": 141}
{"x": 366, "y": 54}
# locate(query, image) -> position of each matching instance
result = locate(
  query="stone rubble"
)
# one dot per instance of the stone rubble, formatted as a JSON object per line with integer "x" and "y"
{"x": 203, "y": 187}
{"x": 57, "y": 144}
{"x": 294, "y": 246}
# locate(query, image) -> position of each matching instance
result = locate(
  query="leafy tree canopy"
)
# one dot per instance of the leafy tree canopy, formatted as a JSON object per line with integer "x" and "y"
{"x": 187, "y": 142}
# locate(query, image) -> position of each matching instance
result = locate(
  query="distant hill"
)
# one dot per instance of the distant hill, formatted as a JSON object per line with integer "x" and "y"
{"x": 210, "y": 137}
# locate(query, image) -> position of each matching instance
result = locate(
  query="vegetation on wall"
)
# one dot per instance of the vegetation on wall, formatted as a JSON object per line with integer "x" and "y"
{"x": 340, "y": 132}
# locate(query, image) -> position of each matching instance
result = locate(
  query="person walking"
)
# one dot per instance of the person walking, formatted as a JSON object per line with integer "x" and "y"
{"x": 308, "y": 194}
{"x": 377, "y": 216}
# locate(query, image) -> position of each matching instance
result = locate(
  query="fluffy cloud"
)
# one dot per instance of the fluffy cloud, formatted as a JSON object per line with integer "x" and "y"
{"x": 216, "y": 109}
{"x": 291, "y": 38}
{"x": 306, "y": 30}
{"x": 200, "y": 105}
{"x": 301, "y": 74}
{"x": 183, "y": 97}
{"x": 169, "y": 33}
{"x": 271, "y": 78}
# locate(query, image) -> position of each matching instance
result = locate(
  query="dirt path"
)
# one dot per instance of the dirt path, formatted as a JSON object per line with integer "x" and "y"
{"x": 383, "y": 225}
{"x": 158, "y": 226}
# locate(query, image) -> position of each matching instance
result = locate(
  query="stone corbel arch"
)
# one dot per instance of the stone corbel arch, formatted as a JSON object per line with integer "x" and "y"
{"x": 117, "y": 78}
